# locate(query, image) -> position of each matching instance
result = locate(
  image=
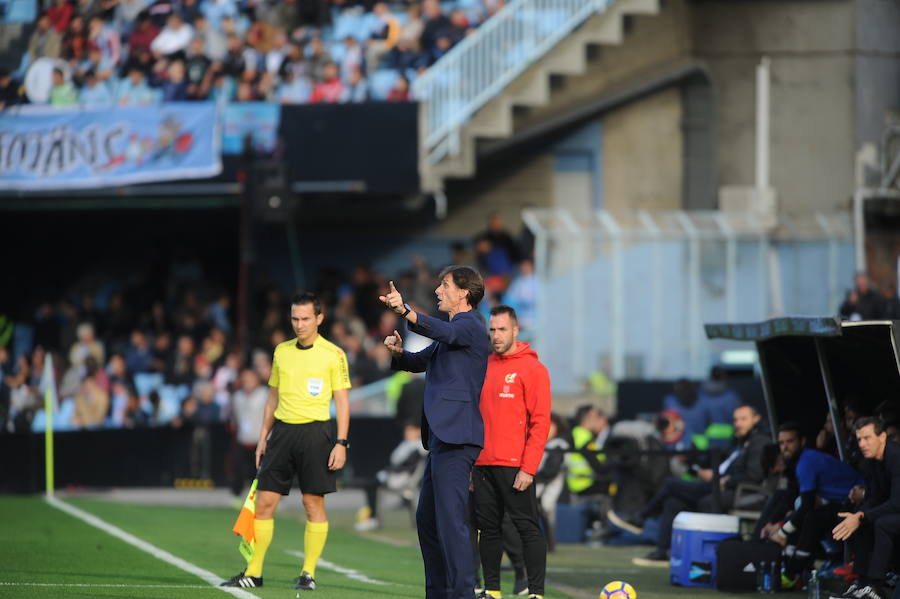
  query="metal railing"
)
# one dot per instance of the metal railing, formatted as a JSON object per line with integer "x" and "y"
{"x": 484, "y": 63}
{"x": 635, "y": 289}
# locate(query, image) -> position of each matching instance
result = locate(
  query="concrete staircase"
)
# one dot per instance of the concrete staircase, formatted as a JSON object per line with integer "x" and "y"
{"x": 532, "y": 88}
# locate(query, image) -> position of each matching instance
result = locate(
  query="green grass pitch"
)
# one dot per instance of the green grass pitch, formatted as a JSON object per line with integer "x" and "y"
{"x": 48, "y": 553}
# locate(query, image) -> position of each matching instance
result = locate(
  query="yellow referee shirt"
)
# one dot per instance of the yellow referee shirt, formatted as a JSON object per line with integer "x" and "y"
{"x": 306, "y": 379}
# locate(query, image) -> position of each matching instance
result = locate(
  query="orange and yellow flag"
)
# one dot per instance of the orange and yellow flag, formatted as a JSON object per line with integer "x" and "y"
{"x": 243, "y": 526}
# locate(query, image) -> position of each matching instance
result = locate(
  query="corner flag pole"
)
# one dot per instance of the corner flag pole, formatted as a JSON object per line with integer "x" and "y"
{"x": 48, "y": 382}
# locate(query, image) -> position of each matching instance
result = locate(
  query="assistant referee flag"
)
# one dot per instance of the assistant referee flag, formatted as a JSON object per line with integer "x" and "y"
{"x": 243, "y": 526}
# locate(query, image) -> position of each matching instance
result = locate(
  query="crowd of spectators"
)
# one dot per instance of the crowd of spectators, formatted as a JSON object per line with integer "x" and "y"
{"x": 123, "y": 361}
{"x": 138, "y": 52}
{"x": 866, "y": 302}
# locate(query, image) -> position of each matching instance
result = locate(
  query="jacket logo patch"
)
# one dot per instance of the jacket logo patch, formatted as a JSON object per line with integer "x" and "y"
{"x": 511, "y": 378}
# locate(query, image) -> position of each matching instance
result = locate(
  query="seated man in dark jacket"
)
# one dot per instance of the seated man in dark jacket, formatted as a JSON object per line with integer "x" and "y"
{"x": 744, "y": 464}
{"x": 872, "y": 530}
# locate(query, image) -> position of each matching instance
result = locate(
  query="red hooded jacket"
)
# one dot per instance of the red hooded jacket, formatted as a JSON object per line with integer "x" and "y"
{"x": 515, "y": 406}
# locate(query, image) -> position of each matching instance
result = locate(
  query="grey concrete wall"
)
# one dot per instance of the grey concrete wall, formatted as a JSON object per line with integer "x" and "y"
{"x": 642, "y": 154}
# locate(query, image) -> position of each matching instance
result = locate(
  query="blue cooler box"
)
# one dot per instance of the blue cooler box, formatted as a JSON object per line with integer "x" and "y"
{"x": 571, "y": 522}
{"x": 694, "y": 540}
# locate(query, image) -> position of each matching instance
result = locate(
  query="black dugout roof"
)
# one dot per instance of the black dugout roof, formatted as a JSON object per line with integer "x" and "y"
{"x": 813, "y": 365}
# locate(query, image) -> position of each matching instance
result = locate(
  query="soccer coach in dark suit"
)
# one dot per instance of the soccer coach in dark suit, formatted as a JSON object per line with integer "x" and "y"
{"x": 452, "y": 429}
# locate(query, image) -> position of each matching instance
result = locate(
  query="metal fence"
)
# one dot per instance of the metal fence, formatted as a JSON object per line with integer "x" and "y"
{"x": 628, "y": 295}
{"x": 484, "y": 63}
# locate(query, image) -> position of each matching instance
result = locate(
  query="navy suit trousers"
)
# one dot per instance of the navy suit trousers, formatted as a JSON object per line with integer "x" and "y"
{"x": 444, "y": 523}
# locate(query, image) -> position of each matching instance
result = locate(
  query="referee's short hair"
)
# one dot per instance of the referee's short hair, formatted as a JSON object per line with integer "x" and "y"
{"x": 466, "y": 277}
{"x": 307, "y": 297}
{"x": 504, "y": 309}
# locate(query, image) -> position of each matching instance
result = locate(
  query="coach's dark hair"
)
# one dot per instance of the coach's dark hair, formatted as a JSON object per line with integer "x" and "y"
{"x": 791, "y": 427}
{"x": 307, "y": 297}
{"x": 583, "y": 411}
{"x": 866, "y": 421}
{"x": 504, "y": 309}
{"x": 466, "y": 278}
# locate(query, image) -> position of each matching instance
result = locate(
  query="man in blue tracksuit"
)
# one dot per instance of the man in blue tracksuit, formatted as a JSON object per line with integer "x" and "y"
{"x": 823, "y": 482}
{"x": 452, "y": 428}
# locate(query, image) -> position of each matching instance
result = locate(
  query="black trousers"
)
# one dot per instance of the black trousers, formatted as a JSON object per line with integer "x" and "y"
{"x": 872, "y": 545}
{"x": 816, "y": 526}
{"x": 494, "y": 497}
{"x": 678, "y": 495}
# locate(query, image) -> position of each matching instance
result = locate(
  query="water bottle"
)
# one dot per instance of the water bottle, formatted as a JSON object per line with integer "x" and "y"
{"x": 775, "y": 576}
{"x": 761, "y": 568}
{"x": 812, "y": 588}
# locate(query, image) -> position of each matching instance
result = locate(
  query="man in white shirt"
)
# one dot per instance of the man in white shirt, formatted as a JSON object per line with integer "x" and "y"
{"x": 175, "y": 37}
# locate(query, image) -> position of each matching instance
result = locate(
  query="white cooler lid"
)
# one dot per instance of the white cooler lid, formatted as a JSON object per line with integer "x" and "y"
{"x": 706, "y": 522}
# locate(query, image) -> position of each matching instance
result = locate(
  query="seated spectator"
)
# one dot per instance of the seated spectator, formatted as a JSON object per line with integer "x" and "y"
{"x": 143, "y": 35}
{"x": 824, "y": 482}
{"x": 95, "y": 62}
{"x": 356, "y": 89}
{"x": 522, "y": 294}
{"x": 197, "y": 67}
{"x": 248, "y": 405}
{"x": 135, "y": 416}
{"x": 134, "y": 90}
{"x": 103, "y": 37}
{"x": 190, "y": 10}
{"x": 127, "y": 13}
{"x": 400, "y": 91}
{"x": 685, "y": 402}
{"x": 9, "y": 90}
{"x": 719, "y": 401}
{"x": 862, "y": 302}
{"x": 459, "y": 26}
{"x": 318, "y": 59}
{"x": 233, "y": 64}
{"x": 330, "y": 89}
{"x": 406, "y": 53}
{"x": 175, "y": 86}
{"x": 294, "y": 63}
{"x": 86, "y": 346}
{"x": 383, "y": 34}
{"x": 353, "y": 57}
{"x": 175, "y": 37}
{"x": 60, "y": 15}
{"x": 91, "y": 400}
{"x": 676, "y": 495}
{"x": 872, "y": 530}
{"x": 246, "y": 92}
{"x": 586, "y": 475}
{"x": 214, "y": 41}
{"x": 278, "y": 50}
{"x": 22, "y": 400}
{"x": 44, "y": 41}
{"x": 139, "y": 356}
{"x": 436, "y": 26}
{"x": 94, "y": 93}
{"x": 74, "y": 42}
{"x": 179, "y": 369}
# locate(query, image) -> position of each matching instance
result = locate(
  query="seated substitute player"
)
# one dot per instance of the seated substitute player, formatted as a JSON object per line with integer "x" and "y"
{"x": 306, "y": 373}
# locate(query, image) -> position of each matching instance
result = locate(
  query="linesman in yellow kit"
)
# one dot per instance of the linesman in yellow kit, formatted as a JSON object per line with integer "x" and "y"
{"x": 297, "y": 438}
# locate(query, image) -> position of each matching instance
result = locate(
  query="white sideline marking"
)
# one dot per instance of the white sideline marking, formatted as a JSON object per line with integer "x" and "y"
{"x": 348, "y": 572}
{"x": 101, "y": 585}
{"x": 153, "y": 550}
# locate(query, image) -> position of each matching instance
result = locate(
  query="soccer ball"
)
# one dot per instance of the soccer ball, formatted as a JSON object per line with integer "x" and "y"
{"x": 618, "y": 590}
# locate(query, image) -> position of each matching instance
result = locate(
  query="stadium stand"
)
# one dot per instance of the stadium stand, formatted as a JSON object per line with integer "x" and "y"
{"x": 138, "y": 52}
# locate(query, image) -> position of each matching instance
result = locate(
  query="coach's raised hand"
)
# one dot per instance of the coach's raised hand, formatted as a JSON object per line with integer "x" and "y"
{"x": 393, "y": 300}
{"x": 394, "y": 343}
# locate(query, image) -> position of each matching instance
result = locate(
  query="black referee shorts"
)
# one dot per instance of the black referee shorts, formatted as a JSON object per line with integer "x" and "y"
{"x": 300, "y": 450}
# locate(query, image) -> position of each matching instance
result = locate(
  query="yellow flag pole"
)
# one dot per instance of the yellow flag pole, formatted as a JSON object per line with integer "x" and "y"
{"x": 49, "y": 385}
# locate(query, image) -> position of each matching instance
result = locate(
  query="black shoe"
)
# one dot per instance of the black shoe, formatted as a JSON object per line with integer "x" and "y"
{"x": 871, "y": 592}
{"x": 850, "y": 593}
{"x": 245, "y": 582}
{"x": 632, "y": 525}
{"x": 305, "y": 582}
{"x": 655, "y": 559}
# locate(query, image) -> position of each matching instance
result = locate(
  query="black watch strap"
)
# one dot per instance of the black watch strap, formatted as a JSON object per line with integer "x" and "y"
{"x": 343, "y": 442}
{"x": 408, "y": 310}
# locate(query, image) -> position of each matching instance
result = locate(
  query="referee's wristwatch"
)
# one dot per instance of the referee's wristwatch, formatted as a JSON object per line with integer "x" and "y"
{"x": 408, "y": 309}
{"x": 343, "y": 442}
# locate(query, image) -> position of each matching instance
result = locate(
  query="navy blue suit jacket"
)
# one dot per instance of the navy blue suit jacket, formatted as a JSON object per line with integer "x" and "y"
{"x": 454, "y": 367}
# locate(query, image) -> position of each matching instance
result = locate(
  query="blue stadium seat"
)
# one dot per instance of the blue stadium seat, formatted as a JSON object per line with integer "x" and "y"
{"x": 145, "y": 382}
{"x": 20, "y": 11}
{"x": 381, "y": 82}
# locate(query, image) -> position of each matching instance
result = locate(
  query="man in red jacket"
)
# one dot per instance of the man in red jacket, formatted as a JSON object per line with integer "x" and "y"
{"x": 515, "y": 406}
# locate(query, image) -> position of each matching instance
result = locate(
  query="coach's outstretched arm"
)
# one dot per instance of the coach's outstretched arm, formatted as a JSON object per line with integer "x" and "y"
{"x": 459, "y": 333}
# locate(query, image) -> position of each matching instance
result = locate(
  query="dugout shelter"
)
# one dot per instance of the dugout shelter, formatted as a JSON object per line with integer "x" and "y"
{"x": 814, "y": 366}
